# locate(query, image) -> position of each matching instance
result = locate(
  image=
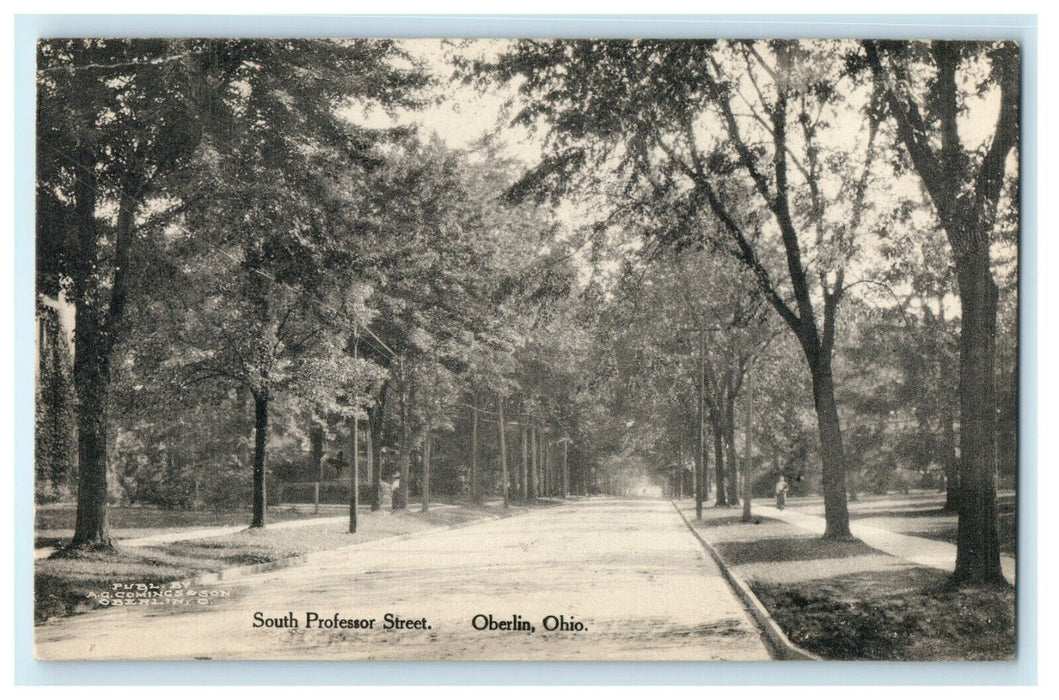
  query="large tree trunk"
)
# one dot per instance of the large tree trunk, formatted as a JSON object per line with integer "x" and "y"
{"x": 732, "y": 471}
{"x": 968, "y": 216}
{"x": 92, "y": 380}
{"x": 801, "y": 319}
{"x": 375, "y": 417}
{"x": 260, "y": 436}
{"x": 836, "y": 512}
{"x": 95, "y": 332}
{"x": 718, "y": 459}
{"x": 977, "y": 539}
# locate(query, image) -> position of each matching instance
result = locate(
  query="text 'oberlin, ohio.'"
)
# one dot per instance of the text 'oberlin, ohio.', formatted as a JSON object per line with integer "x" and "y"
{"x": 480, "y": 622}
{"x": 517, "y": 623}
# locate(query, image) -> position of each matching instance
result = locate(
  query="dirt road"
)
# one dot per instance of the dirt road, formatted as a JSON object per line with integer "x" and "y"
{"x": 617, "y": 579}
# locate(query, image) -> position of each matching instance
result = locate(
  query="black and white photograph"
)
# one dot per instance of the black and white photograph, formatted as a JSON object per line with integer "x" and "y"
{"x": 526, "y": 349}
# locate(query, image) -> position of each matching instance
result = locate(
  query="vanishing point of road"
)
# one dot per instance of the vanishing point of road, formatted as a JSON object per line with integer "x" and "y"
{"x": 628, "y": 571}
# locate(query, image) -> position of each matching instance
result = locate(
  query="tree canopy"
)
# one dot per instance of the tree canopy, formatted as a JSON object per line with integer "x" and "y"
{"x": 265, "y": 253}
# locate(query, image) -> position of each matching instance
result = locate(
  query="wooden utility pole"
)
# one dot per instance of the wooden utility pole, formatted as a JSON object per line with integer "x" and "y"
{"x": 316, "y": 439}
{"x": 428, "y": 435}
{"x": 426, "y": 469}
{"x": 556, "y": 477}
{"x": 700, "y": 449}
{"x": 542, "y": 465}
{"x": 354, "y": 476}
{"x": 404, "y": 457}
{"x": 534, "y": 462}
{"x": 566, "y": 468}
{"x": 374, "y": 459}
{"x": 475, "y": 495}
{"x": 680, "y": 468}
{"x": 524, "y": 482}
{"x": 503, "y": 452}
{"x": 748, "y": 462}
{"x": 546, "y": 467}
{"x": 553, "y": 472}
{"x": 369, "y": 455}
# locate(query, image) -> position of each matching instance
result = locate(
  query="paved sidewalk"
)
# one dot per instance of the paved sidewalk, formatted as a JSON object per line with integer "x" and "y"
{"x": 919, "y": 550}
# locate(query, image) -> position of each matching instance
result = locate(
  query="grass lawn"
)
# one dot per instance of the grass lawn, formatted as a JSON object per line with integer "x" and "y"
{"x": 62, "y": 583}
{"x": 54, "y": 523}
{"x": 845, "y": 600}
{"x": 913, "y": 615}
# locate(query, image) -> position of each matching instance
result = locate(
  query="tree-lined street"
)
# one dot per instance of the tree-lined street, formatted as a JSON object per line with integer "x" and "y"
{"x": 430, "y": 281}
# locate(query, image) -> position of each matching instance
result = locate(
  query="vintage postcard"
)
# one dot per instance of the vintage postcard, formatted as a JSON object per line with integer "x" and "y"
{"x": 637, "y": 349}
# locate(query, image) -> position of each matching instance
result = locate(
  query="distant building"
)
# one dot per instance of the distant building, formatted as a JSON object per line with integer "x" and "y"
{"x": 55, "y": 439}
{"x": 54, "y": 317}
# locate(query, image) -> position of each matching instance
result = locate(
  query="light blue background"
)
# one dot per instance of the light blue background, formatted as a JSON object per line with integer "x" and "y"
{"x": 28, "y": 28}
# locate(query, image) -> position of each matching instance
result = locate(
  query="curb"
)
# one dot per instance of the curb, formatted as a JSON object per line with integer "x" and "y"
{"x": 782, "y": 647}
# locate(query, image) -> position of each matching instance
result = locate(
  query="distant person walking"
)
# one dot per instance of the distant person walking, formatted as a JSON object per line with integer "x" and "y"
{"x": 781, "y": 492}
{"x": 396, "y": 496}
